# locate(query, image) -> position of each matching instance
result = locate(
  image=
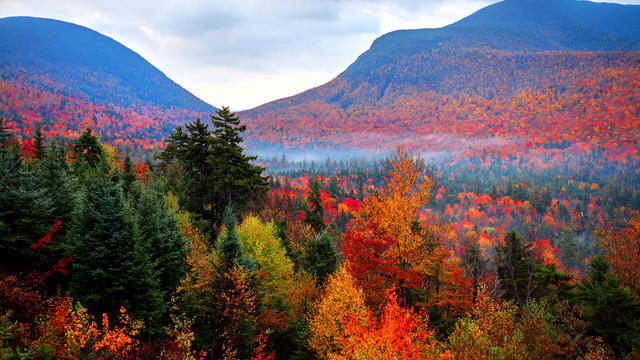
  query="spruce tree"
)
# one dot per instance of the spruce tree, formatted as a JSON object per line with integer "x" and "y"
{"x": 238, "y": 179}
{"x": 128, "y": 175}
{"x": 515, "y": 269}
{"x": 87, "y": 150}
{"x": 320, "y": 256}
{"x": 38, "y": 143}
{"x": 209, "y": 170}
{"x": 26, "y": 211}
{"x": 314, "y": 214}
{"x": 609, "y": 309}
{"x": 110, "y": 265}
{"x": 160, "y": 238}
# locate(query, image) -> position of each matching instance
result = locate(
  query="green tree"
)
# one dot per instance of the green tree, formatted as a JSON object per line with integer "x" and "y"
{"x": 26, "y": 211}
{"x": 515, "y": 269}
{"x": 209, "y": 170}
{"x": 38, "y": 143}
{"x": 128, "y": 175}
{"x": 160, "y": 238}
{"x": 238, "y": 180}
{"x": 314, "y": 213}
{"x": 110, "y": 265}
{"x": 87, "y": 150}
{"x": 320, "y": 256}
{"x": 609, "y": 309}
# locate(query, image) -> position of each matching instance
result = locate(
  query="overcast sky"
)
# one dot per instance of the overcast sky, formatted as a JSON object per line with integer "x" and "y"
{"x": 244, "y": 53}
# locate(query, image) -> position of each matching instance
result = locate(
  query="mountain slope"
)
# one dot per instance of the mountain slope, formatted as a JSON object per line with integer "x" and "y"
{"x": 491, "y": 55}
{"x": 66, "y": 77}
{"x": 88, "y": 63}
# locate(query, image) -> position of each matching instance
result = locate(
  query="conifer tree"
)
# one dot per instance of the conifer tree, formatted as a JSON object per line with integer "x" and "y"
{"x": 110, "y": 266}
{"x": 128, "y": 175}
{"x": 609, "y": 309}
{"x": 87, "y": 150}
{"x": 38, "y": 143}
{"x": 515, "y": 269}
{"x": 160, "y": 238}
{"x": 209, "y": 170}
{"x": 26, "y": 210}
{"x": 238, "y": 179}
{"x": 314, "y": 214}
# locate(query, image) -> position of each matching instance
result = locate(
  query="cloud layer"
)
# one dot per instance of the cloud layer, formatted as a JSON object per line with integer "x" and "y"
{"x": 244, "y": 53}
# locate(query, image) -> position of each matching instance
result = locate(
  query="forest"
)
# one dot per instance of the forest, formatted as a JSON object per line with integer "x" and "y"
{"x": 493, "y": 250}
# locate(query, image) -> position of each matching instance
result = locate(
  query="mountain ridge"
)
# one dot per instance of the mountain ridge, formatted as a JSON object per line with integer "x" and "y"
{"x": 71, "y": 54}
{"x": 495, "y": 53}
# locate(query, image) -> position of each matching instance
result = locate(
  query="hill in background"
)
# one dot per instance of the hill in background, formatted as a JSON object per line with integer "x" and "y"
{"x": 66, "y": 77}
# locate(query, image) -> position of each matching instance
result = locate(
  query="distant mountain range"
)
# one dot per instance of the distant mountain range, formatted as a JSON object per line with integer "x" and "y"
{"x": 397, "y": 85}
{"x": 540, "y": 72}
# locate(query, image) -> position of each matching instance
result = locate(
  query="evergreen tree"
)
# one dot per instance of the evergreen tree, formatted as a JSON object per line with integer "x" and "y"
{"x": 5, "y": 136}
{"x": 320, "y": 257}
{"x": 515, "y": 269}
{"x": 38, "y": 143}
{"x": 110, "y": 265}
{"x": 609, "y": 309}
{"x": 87, "y": 150}
{"x": 208, "y": 169}
{"x": 314, "y": 214}
{"x": 128, "y": 175}
{"x": 238, "y": 180}
{"x": 161, "y": 240}
{"x": 26, "y": 212}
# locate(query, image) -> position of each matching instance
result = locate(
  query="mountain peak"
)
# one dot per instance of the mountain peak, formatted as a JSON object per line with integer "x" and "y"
{"x": 88, "y": 63}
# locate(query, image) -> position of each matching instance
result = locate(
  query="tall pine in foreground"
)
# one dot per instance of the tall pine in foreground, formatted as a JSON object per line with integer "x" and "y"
{"x": 110, "y": 265}
{"x": 239, "y": 180}
{"x": 208, "y": 169}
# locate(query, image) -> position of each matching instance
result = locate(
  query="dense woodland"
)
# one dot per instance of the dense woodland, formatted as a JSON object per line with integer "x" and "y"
{"x": 197, "y": 253}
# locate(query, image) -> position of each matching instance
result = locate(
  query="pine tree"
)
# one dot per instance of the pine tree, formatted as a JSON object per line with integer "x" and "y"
{"x": 160, "y": 238}
{"x": 515, "y": 269}
{"x": 87, "y": 150}
{"x": 314, "y": 214}
{"x": 609, "y": 309}
{"x": 238, "y": 180}
{"x": 208, "y": 168}
{"x": 128, "y": 175}
{"x": 5, "y": 135}
{"x": 320, "y": 257}
{"x": 110, "y": 265}
{"x": 26, "y": 211}
{"x": 38, "y": 143}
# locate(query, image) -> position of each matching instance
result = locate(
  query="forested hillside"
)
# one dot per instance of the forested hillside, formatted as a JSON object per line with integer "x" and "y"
{"x": 66, "y": 77}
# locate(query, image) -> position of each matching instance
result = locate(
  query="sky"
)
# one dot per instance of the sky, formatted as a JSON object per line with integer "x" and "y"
{"x": 244, "y": 53}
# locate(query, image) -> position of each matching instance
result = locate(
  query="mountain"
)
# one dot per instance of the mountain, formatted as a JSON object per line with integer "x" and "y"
{"x": 89, "y": 63}
{"x": 83, "y": 78}
{"x": 436, "y": 81}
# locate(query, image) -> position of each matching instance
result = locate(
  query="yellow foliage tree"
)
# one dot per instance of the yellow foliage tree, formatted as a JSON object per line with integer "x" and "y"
{"x": 261, "y": 244}
{"x": 342, "y": 300}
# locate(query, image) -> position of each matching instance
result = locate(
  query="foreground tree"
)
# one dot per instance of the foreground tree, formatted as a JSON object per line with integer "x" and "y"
{"x": 387, "y": 247}
{"x": 610, "y": 310}
{"x": 111, "y": 267}
{"x": 398, "y": 333}
{"x": 208, "y": 168}
{"x": 622, "y": 249}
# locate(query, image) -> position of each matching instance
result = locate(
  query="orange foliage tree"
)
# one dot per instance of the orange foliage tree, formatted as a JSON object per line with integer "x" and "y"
{"x": 622, "y": 249}
{"x": 386, "y": 246}
{"x": 398, "y": 333}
